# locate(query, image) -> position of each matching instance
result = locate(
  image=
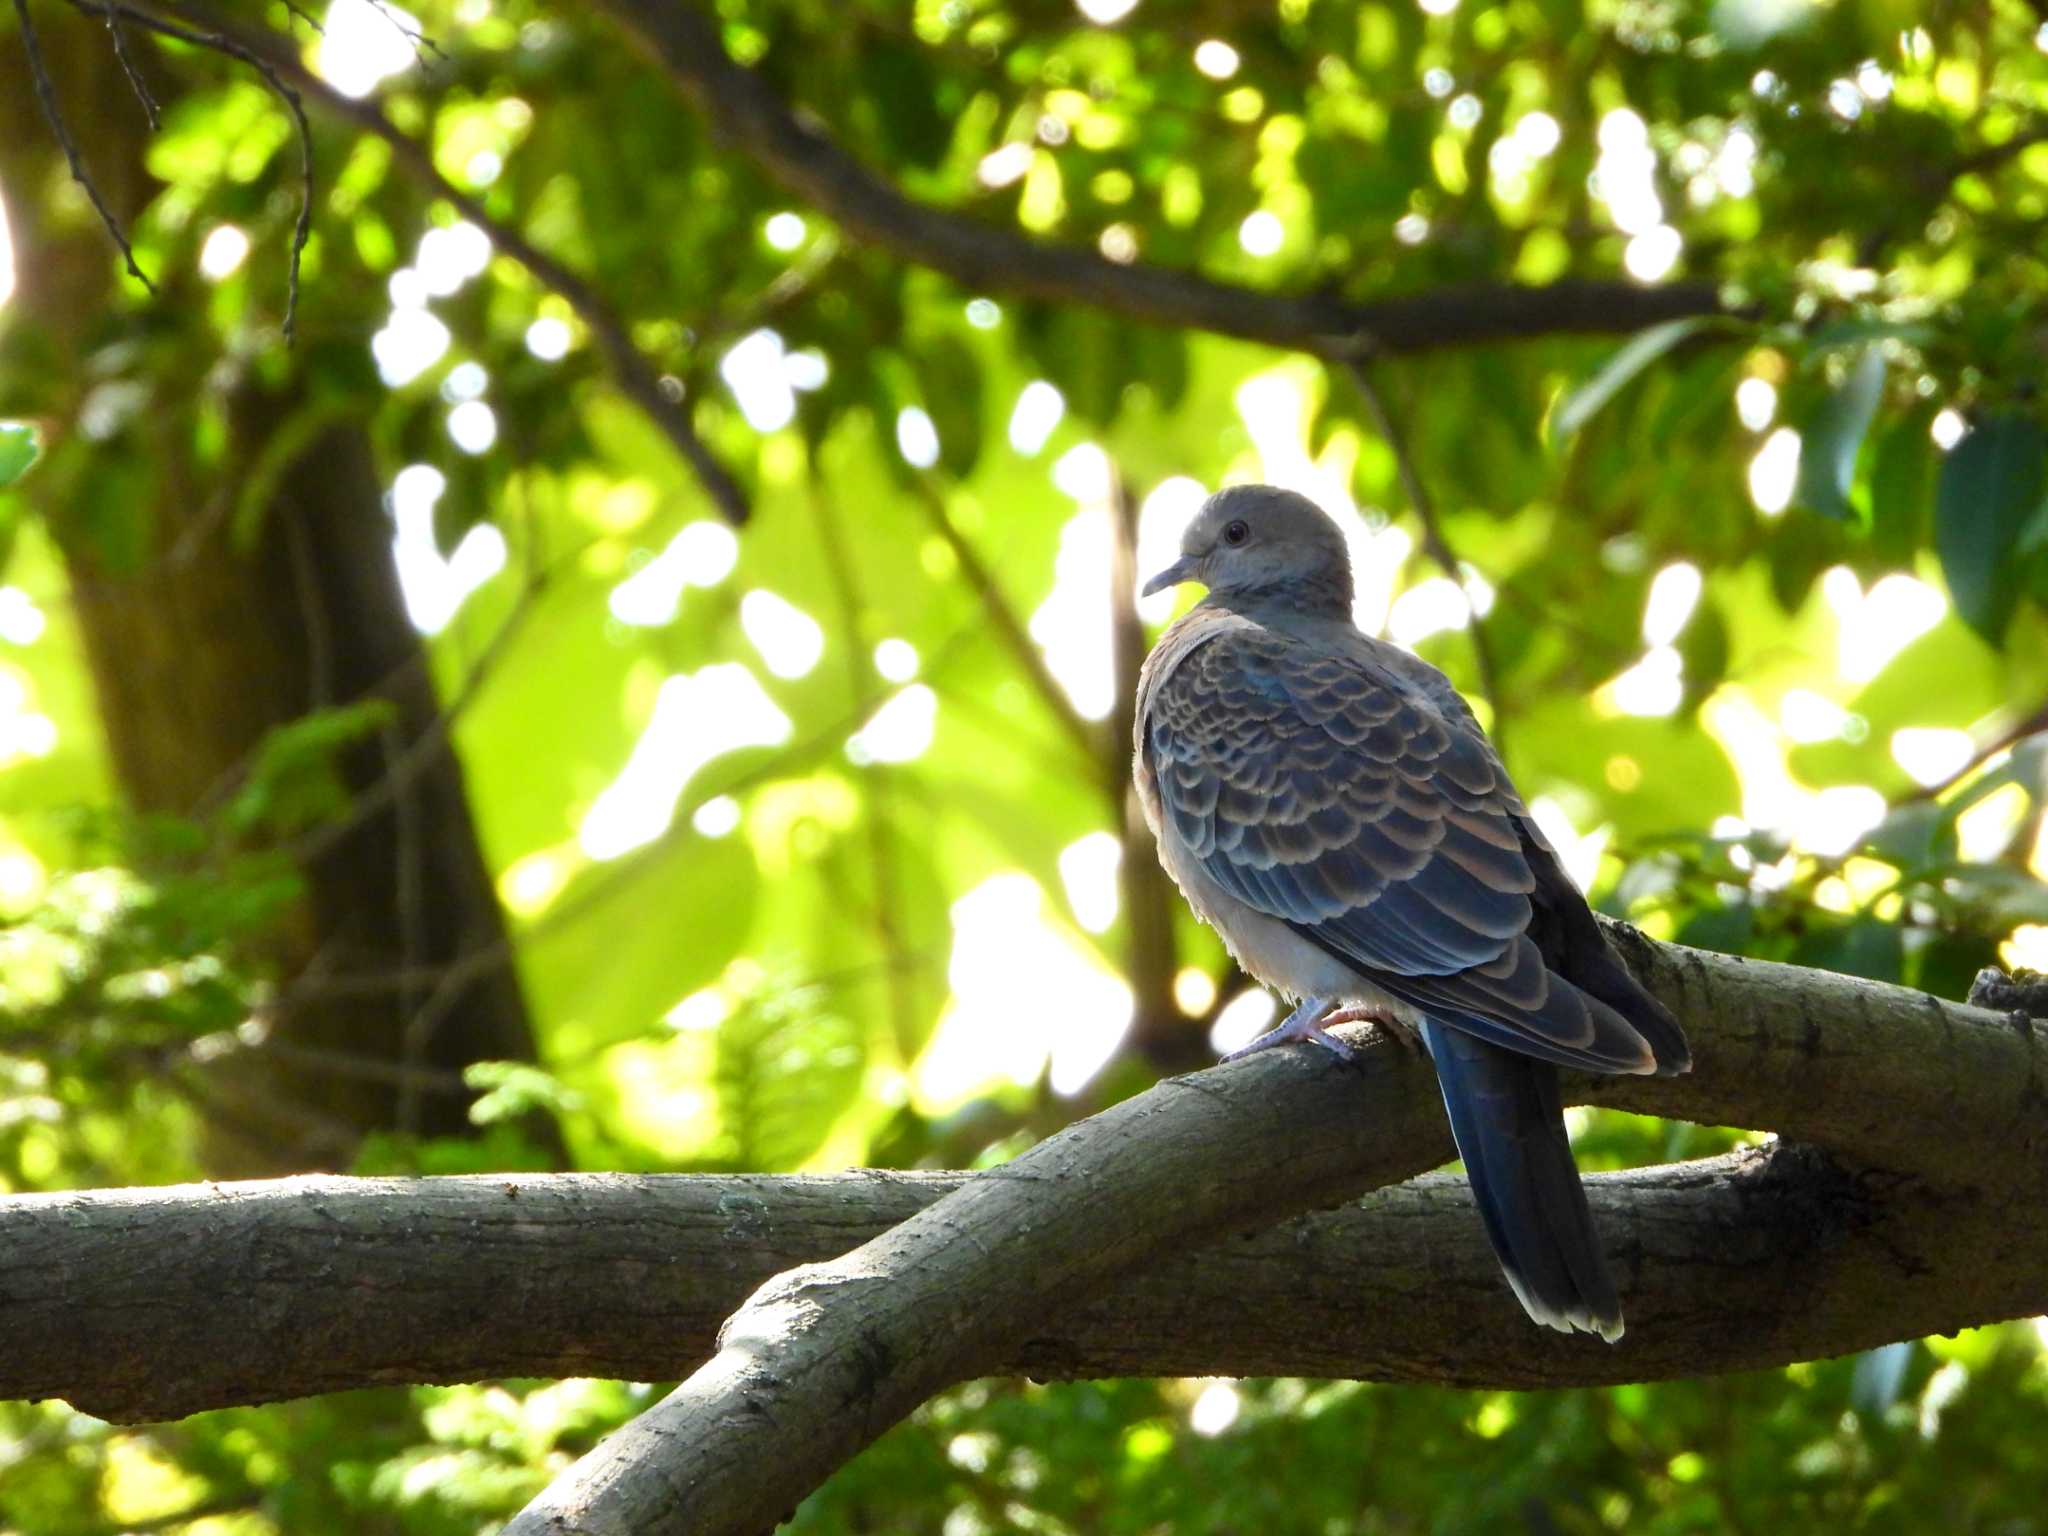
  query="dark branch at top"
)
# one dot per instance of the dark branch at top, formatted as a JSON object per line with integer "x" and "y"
{"x": 796, "y": 154}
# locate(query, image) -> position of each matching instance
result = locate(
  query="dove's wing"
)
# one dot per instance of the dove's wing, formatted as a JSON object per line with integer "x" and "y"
{"x": 1330, "y": 793}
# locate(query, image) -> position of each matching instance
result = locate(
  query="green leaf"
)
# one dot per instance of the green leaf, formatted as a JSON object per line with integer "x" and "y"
{"x": 1833, "y": 435}
{"x": 509, "y": 1089}
{"x": 1901, "y": 485}
{"x": 949, "y": 379}
{"x": 1990, "y": 488}
{"x": 1585, "y": 402}
{"x": 18, "y": 450}
{"x": 1862, "y": 947}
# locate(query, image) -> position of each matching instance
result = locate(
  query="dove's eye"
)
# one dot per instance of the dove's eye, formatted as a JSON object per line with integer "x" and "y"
{"x": 1236, "y": 533}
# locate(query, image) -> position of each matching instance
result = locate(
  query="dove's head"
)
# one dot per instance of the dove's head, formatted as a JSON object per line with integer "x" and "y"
{"x": 1258, "y": 543}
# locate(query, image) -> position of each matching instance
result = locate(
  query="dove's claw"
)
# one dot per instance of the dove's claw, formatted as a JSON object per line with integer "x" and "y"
{"x": 1305, "y": 1023}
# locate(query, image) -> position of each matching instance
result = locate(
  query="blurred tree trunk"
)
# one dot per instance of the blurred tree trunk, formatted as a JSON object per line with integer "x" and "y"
{"x": 209, "y": 636}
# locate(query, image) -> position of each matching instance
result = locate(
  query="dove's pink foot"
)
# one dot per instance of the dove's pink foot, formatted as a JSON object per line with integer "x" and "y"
{"x": 1305, "y": 1023}
{"x": 1405, "y": 1035}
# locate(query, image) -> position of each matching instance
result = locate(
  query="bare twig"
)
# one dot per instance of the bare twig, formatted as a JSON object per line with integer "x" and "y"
{"x": 409, "y": 904}
{"x": 46, "y": 97}
{"x": 1167, "y": 1038}
{"x": 635, "y": 376}
{"x": 1434, "y": 544}
{"x": 423, "y": 748}
{"x": 119, "y": 37}
{"x": 223, "y": 43}
{"x": 1007, "y": 627}
{"x": 878, "y": 813}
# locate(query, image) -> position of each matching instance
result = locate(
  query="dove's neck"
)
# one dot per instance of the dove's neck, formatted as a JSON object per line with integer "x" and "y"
{"x": 1293, "y": 601}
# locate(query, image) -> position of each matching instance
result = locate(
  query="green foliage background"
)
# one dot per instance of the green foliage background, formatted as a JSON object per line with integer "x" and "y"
{"x": 1875, "y": 223}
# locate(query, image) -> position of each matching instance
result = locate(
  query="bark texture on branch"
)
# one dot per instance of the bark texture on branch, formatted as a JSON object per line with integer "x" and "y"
{"x": 825, "y": 1357}
{"x": 684, "y": 43}
{"x": 138, "y": 1305}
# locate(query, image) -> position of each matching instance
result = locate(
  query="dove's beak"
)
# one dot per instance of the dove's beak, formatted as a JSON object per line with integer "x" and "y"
{"x": 1183, "y": 569}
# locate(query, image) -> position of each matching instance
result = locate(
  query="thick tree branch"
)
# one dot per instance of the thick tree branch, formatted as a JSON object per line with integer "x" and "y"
{"x": 114, "y": 1300}
{"x": 824, "y": 1358}
{"x": 796, "y": 154}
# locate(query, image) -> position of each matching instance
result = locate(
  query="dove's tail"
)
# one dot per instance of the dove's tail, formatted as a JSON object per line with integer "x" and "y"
{"x": 1508, "y": 1120}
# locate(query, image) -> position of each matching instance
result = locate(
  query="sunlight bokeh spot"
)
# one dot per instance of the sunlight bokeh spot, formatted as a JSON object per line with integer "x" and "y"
{"x": 1538, "y": 134}
{"x": 548, "y": 339}
{"x": 1261, "y": 233}
{"x": 1876, "y": 625}
{"x": 25, "y": 732}
{"x": 1653, "y": 686}
{"x": 1218, "y": 1406}
{"x": 1163, "y": 517}
{"x": 896, "y": 659}
{"x": 1243, "y": 1019}
{"x": 697, "y": 717}
{"x": 226, "y": 248}
{"x": 410, "y": 343}
{"x": 1194, "y": 991}
{"x": 1578, "y": 853}
{"x": 1072, "y": 625}
{"x": 473, "y": 427}
{"x": 1756, "y": 403}
{"x": 1001, "y": 167}
{"x": 1025, "y": 997}
{"x": 1808, "y": 717}
{"x": 1774, "y": 472}
{"x": 1674, "y": 594}
{"x": 1930, "y": 754}
{"x": 1088, "y": 871}
{"x": 784, "y": 231}
{"x": 1986, "y": 829}
{"x": 790, "y": 641}
{"x": 1947, "y": 429}
{"x": 702, "y": 1011}
{"x": 917, "y": 438}
{"x": 702, "y": 554}
{"x": 23, "y": 880}
{"x": 1216, "y": 58}
{"x": 363, "y": 43}
{"x": 1651, "y": 255}
{"x": 900, "y": 731}
{"x": 465, "y": 381}
{"x": 528, "y": 885}
{"x": 1040, "y": 405}
{"x": 717, "y": 816}
{"x": 1084, "y": 473}
{"x": 21, "y": 621}
{"x": 434, "y": 588}
{"x": 753, "y": 370}
{"x": 1625, "y": 177}
{"x": 806, "y": 370}
{"x": 1429, "y": 607}
{"x": 1105, "y": 13}
{"x": 2027, "y": 949}
{"x": 450, "y": 256}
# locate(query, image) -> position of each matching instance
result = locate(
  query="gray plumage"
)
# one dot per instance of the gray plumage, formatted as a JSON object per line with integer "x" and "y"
{"x": 1327, "y": 803}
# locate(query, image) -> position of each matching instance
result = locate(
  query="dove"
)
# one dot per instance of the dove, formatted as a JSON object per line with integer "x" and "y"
{"x": 1329, "y": 805}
